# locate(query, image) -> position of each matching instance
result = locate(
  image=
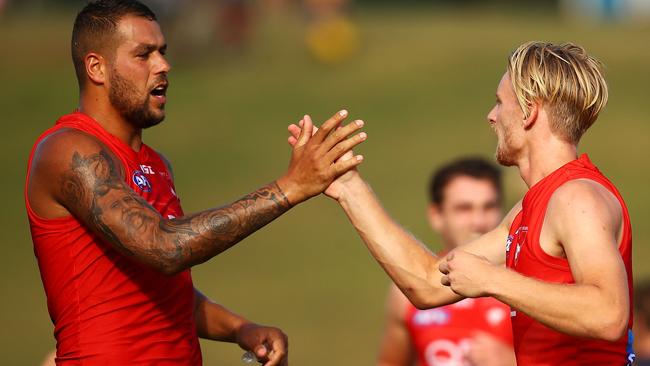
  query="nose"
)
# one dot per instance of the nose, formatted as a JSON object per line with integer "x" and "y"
{"x": 480, "y": 221}
{"x": 492, "y": 115}
{"x": 162, "y": 65}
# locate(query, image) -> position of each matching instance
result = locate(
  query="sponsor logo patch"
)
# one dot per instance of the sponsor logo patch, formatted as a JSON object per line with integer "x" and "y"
{"x": 431, "y": 317}
{"x": 141, "y": 181}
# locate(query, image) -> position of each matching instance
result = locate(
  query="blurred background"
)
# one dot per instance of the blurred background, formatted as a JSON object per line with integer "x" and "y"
{"x": 422, "y": 74}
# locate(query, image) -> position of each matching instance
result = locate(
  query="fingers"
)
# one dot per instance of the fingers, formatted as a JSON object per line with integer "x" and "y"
{"x": 305, "y": 134}
{"x": 279, "y": 351}
{"x": 340, "y": 134}
{"x": 444, "y": 267}
{"x": 329, "y": 125}
{"x": 295, "y": 131}
{"x": 445, "y": 281}
{"x": 261, "y": 352}
{"x": 342, "y": 166}
{"x": 345, "y": 146}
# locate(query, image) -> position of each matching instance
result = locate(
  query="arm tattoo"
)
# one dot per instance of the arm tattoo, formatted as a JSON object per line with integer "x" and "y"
{"x": 95, "y": 191}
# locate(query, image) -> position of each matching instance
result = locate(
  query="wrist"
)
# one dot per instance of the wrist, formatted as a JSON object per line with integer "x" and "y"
{"x": 495, "y": 279}
{"x": 351, "y": 188}
{"x": 240, "y": 328}
{"x": 290, "y": 190}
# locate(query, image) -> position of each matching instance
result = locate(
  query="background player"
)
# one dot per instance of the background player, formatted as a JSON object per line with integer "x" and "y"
{"x": 113, "y": 245}
{"x": 642, "y": 323}
{"x": 464, "y": 202}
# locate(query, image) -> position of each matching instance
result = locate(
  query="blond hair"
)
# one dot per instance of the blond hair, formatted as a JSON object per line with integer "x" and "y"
{"x": 563, "y": 77}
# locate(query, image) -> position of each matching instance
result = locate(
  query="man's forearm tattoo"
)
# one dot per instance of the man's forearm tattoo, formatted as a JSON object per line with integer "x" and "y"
{"x": 95, "y": 191}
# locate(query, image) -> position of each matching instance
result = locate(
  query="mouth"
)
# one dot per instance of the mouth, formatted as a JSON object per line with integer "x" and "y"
{"x": 159, "y": 92}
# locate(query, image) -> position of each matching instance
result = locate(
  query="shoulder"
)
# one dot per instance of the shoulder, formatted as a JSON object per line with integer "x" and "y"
{"x": 583, "y": 196}
{"x": 60, "y": 149}
{"x": 63, "y": 161}
{"x": 583, "y": 204}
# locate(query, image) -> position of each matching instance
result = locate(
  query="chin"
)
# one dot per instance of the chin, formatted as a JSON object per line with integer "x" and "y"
{"x": 152, "y": 122}
{"x": 503, "y": 157}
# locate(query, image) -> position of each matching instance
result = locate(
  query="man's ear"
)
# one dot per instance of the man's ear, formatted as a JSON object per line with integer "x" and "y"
{"x": 435, "y": 219}
{"x": 96, "y": 68}
{"x": 533, "y": 108}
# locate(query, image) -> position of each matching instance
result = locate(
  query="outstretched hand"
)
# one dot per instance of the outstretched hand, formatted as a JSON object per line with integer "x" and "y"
{"x": 315, "y": 161}
{"x": 301, "y": 134}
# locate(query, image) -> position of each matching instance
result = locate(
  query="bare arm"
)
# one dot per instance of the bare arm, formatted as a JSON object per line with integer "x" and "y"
{"x": 413, "y": 268}
{"x": 587, "y": 220}
{"x": 215, "y": 322}
{"x": 76, "y": 172}
{"x": 584, "y": 221}
{"x": 396, "y": 348}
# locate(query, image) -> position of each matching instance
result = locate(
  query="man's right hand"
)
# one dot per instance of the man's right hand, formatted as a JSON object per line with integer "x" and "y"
{"x": 334, "y": 190}
{"x": 317, "y": 160}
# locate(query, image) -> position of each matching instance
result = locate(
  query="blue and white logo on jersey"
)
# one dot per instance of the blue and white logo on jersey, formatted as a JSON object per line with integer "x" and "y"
{"x": 141, "y": 181}
{"x": 431, "y": 317}
{"x": 509, "y": 242}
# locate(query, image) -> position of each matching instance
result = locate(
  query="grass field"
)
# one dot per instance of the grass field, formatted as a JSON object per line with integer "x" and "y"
{"x": 423, "y": 80}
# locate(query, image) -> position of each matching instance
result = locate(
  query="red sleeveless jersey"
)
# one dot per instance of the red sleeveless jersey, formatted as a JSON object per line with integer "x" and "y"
{"x": 108, "y": 309}
{"x": 536, "y": 344}
{"x": 442, "y": 336}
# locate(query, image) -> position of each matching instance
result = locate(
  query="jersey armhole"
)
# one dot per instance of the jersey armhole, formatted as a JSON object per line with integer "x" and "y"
{"x": 33, "y": 216}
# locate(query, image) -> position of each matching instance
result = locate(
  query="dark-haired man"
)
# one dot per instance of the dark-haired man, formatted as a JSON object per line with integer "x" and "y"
{"x": 114, "y": 246}
{"x": 464, "y": 203}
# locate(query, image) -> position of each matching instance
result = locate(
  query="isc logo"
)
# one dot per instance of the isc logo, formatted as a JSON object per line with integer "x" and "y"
{"x": 146, "y": 169}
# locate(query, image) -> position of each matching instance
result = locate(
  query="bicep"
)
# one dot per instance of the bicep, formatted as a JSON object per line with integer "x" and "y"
{"x": 88, "y": 180}
{"x": 492, "y": 245}
{"x": 587, "y": 224}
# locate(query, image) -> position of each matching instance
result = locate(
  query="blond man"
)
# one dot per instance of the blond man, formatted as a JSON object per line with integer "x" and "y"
{"x": 561, "y": 258}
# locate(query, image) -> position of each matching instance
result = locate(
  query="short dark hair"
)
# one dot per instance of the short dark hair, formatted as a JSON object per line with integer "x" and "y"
{"x": 473, "y": 167}
{"x": 96, "y": 24}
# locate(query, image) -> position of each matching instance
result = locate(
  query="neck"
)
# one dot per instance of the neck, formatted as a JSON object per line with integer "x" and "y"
{"x": 99, "y": 109}
{"x": 545, "y": 157}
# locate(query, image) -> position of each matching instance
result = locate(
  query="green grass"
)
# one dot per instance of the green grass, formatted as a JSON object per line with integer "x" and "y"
{"x": 423, "y": 80}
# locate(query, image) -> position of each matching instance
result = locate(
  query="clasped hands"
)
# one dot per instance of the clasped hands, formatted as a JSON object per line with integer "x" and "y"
{"x": 467, "y": 274}
{"x": 322, "y": 158}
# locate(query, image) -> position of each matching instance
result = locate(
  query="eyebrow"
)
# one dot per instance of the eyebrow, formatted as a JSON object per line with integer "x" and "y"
{"x": 147, "y": 47}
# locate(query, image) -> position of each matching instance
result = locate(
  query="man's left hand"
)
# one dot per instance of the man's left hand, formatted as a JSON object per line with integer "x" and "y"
{"x": 467, "y": 274}
{"x": 270, "y": 345}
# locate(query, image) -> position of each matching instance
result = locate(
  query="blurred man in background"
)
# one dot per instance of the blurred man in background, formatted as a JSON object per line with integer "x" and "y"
{"x": 113, "y": 244}
{"x": 642, "y": 323}
{"x": 464, "y": 202}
